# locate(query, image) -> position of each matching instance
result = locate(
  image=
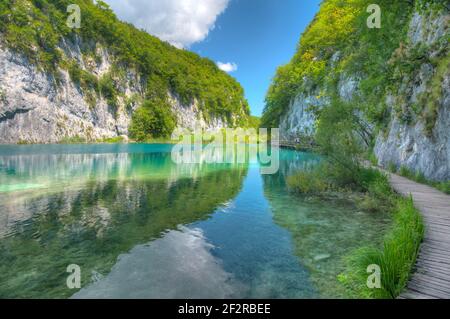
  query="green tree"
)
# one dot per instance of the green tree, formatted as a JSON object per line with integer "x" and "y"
{"x": 152, "y": 120}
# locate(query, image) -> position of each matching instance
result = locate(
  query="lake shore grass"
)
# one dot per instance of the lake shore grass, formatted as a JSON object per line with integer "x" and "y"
{"x": 395, "y": 259}
{"x": 396, "y": 256}
{"x": 112, "y": 140}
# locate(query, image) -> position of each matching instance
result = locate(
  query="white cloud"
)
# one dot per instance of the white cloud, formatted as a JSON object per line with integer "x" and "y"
{"x": 227, "y": 67}
{"x": 180, "y": 22}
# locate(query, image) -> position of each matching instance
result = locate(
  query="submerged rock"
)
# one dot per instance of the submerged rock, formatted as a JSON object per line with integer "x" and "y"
{"x": 322, "y": 257}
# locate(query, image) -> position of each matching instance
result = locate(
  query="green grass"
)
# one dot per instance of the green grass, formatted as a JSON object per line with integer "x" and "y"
{"x": 162, "y": 140}
{"x": 332, "y": 176}
{"x": 73, "y": 140}
{"x": 443, "y": 187}
{"x": 113, "y": 140}
{"x": 23, "y": 142}
{"x": 372, "y": 193}
{"x": 83, "y": 140}
{"x": 395, "y": 258}
{"x": 308, "y": 183}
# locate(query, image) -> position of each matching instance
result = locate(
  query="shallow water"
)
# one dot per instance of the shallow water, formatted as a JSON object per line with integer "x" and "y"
{"x": 140, "y": 226}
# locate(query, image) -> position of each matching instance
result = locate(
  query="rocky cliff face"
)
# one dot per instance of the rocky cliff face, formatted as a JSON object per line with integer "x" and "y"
{"x": 410, "y": 143}
{"x": 413, "y": 143}
{"x": 300, "y": 119}
{"x": 37, "y": 107}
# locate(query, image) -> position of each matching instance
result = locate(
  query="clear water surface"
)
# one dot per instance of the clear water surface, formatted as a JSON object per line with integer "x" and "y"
{"x": 140, "y": 226}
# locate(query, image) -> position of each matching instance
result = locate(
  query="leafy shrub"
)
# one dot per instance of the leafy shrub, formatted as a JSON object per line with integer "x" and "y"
{"x": 75, "y": 73}
{"x": 254, "y": 122}
{"x": 152, "y": 120}
{"x": 444, "y": 187}
{"x": 379, "y": 195}
{"x": 392, "y": 167}
{"x": 373, "y": 159}
{"x": 341, "y": 138}
{"x": 308, "y": 183}
{"x": 369, "y": 203}
{"x": 108, "y": 90}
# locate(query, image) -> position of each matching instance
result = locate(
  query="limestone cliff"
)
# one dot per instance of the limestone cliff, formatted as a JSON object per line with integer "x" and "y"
{"x": 35, "y": 108}
{"x": 409, "y": 142}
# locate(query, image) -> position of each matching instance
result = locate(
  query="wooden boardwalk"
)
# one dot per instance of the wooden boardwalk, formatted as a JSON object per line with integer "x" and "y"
{"x": 431, "y": 278}
{"x": 297, "y": 146}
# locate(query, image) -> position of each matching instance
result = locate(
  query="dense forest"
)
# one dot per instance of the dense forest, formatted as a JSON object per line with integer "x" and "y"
{"x": 36, "y": 29}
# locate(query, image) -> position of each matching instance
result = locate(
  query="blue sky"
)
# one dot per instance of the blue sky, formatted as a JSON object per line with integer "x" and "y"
{"x": 258, "y": 36}
{"x": 254, "y": 36}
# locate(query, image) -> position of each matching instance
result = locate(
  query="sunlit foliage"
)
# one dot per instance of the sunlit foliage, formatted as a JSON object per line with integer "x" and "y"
{"x": 37, "y": 29}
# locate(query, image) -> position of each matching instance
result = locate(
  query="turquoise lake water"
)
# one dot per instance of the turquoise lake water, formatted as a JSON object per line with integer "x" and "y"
{"x": 140, "y": 226}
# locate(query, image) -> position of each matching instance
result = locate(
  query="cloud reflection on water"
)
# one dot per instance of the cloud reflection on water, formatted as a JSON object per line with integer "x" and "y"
{"x": 178, "y": 265}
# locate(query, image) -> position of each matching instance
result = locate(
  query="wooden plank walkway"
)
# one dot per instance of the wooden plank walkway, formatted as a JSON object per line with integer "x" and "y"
{"x": 431, "y": 279}
{"x": 296, "y": 146}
